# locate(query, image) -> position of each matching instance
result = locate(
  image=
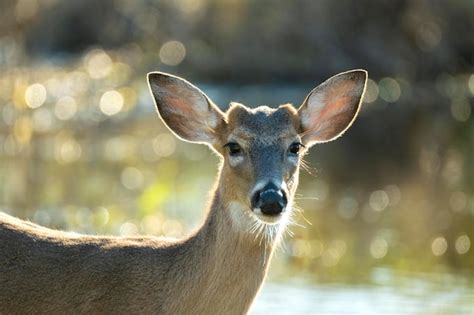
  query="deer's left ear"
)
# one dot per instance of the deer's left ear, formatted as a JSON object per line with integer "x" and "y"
{"x": 330, "y": 108}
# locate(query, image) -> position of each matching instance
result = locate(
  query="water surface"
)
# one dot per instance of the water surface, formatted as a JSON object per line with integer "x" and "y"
{"x": 423, "y": 294}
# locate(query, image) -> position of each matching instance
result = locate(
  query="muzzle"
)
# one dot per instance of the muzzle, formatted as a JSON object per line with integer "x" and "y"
{"x": 271, "y": 200}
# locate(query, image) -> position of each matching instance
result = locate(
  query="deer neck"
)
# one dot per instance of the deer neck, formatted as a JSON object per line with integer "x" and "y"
{"x": 233, "y": 261}
{"x": 230, "y": 225}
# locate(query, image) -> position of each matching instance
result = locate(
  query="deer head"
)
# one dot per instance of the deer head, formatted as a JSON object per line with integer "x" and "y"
{"x": 261, "y": 148}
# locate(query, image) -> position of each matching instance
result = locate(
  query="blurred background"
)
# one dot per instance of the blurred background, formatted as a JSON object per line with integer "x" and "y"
{"x": 388, "y": 221}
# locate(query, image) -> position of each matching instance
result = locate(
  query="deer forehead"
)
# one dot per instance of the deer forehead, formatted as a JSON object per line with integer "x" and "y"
{"x": 262, "y": 124}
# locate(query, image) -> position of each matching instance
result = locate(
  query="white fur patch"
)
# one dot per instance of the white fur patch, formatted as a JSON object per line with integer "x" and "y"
{"x": 258, "y": 186}
{"x": 235, "y": 160}
{"x": 293, "y": 159}
{"x": 241, "y": 216}
{"x": 271, "y": 220}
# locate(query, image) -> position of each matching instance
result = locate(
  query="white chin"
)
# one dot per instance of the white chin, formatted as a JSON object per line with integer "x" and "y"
{"x": 267, "y": 219}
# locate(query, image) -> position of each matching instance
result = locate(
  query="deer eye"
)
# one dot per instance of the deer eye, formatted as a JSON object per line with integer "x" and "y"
{"x": 295, "y": 148}
{"x": 234, "y": 148}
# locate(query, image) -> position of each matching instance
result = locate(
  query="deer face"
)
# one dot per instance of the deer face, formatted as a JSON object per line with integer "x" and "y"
{"x": 261, "y": 147}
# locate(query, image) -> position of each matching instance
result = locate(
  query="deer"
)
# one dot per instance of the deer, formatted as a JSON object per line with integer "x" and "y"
{"x": 220, "y": 267}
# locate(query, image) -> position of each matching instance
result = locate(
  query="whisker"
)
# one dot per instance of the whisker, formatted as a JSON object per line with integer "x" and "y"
{"x": 300, "y": 211}
{"x": 304, "y": 218}
{"x": 299, "y": 225}
{"x": 307, "y": 168}
{"x": 265, "y": 255}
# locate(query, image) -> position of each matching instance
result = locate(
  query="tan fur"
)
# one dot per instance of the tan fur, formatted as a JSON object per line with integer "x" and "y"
{"x": 219, "y": 269}
{"x": 47, "y": 271}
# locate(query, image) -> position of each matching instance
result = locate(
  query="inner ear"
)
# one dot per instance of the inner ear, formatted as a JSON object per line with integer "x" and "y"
{"x": 185, "y": 109}
{"x": 330, "y": 109}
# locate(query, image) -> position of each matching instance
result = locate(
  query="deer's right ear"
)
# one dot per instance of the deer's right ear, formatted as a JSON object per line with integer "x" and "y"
{"x": 184, "y": 108}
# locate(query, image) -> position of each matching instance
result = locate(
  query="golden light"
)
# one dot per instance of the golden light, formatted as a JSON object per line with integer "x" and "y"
{"x": 54, "y": 87}
{"x": 42, "y": 120}
{"x": 129, "y": 97}
{"x": 470, "y": 84}
{"x": 18, "y": 95}
{"x": 463, "y": 244}
{"x": 98, "y": 64}
{"x": 378, "y": 200}
{"x": 111, "y": 103}
{"x": 389, "y": 90}
{"x": 120, "y": 73}
{"x": 6, "y": 87}
{"x": 35, "y": 95}
{"x": 428, "y": 36}
{"x": 317, "y": 248}
{"x": 333, "y": 254}
{"x": 128, "y": 229}
{"x": 172, "y": 53}
{"x": 67, "y": 149}
{"x": 132, "y": 178}
{"x": 119, "y": 148}
{"x": 378, "y": 248}
{"x": 301, "y": 248}
{"x": 65, "y": 108}
{"x": 190, "y": 7}
{"x": 83, "y": 217}
{"x": 8, "y": 113}
{"x": 439, "y": 246}
{"x": 394, "y": 194}
{"x": 23, "y": 129}
{"x": 164, "y": 145}
{"x": 70, "y": 151}
{"x": 453, "y": 170}
{"x": 347, "y": 207}
{"x": 79, "y": 81}
{"x": 101, "y": 216}
{"x": 461, "y": 109}
{"x": 168, "y": 167}
{"x": 458, "y": 201}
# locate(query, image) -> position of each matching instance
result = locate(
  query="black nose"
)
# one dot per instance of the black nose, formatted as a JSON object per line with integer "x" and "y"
{"x": 270, "y": 199}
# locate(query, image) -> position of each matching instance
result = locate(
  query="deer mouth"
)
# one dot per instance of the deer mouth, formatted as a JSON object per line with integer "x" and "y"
{"x": 268, "y": 218}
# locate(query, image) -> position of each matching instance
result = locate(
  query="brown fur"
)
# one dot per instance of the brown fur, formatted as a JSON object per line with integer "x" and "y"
{"x": 47, "y": 271}
{"x": 216, "y": 270}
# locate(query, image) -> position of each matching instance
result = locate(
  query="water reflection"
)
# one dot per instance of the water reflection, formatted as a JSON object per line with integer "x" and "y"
{"x": 389, "y": 293}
